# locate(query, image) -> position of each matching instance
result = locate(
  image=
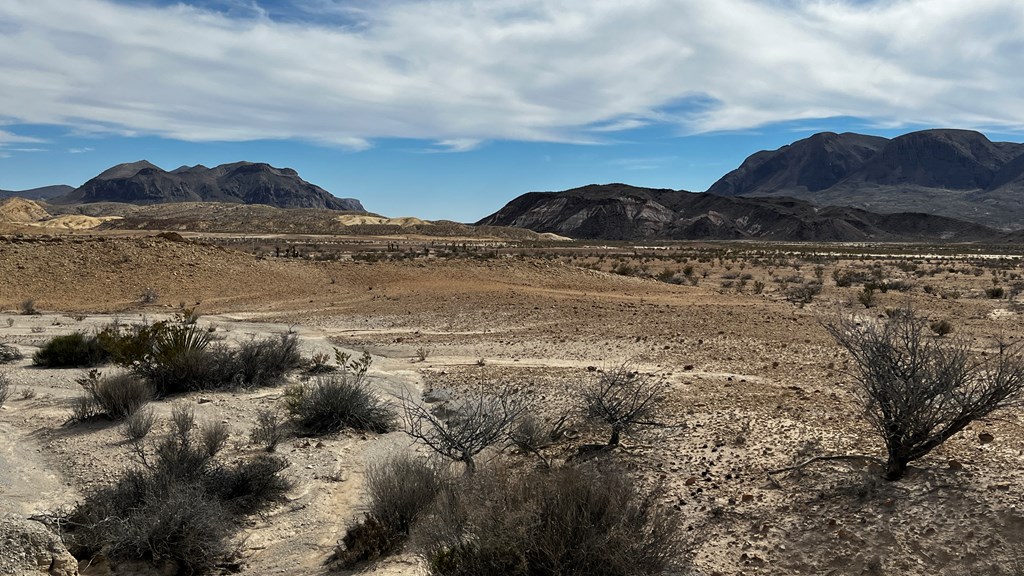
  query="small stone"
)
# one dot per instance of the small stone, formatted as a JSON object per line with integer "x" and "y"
{"x": 985, "y": 438}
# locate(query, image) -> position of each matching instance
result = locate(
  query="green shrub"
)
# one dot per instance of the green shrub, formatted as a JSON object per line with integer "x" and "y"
{"x": 73, "y": 350}
{"x": 259, "y": 363}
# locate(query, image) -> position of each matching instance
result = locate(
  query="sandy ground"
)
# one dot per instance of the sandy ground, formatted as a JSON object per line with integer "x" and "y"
{"x": 754, "y": 381}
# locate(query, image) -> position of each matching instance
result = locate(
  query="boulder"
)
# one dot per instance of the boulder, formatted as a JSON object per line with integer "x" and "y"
{"x": 28, "y": 548}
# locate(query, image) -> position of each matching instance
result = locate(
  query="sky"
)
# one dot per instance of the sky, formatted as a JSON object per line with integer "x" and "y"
{"x": 448, "y": 109}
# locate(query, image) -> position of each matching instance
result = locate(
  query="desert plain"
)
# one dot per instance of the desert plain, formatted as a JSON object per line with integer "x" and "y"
{"x": 754, "y": 382}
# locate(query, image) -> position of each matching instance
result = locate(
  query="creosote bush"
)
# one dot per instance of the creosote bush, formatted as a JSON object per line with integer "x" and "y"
{"x": 177, "y": 509}
{"x": 73, "y": 350}
{"x": 339, "y": 400}
{"x": 920, "y": 391}
{"x": 567, "y": 520}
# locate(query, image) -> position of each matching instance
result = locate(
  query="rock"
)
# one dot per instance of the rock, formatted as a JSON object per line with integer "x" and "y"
{"x": 29, "y": 549}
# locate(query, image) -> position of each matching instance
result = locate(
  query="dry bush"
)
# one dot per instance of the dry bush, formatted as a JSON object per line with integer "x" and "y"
{"x": 400, "y": 488}
{"x": 138, "y": 425}
{"x": 569, "y": 520}
{"x": 259, "y": 363}
{"x": 340, "y": 400}
{"x": 214, "y": 435}
{"x": 475, "y": 424}
{"x": 116, "y": 396}
{"x": 9, "y": 353}
{"x": 176, "y": 510}
{"x": 5, "y": 388}
{"x": 920, "y": 391}
{"x": 624, "y": 399}
{"x": 269, "y": 429}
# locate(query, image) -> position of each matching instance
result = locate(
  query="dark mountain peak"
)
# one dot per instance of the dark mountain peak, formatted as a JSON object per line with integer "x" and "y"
{"x": 241, "y": 182}
{"x": 127, "y": 170}
{"x": 43, "y": 193}
{"x": 941, "y": 158}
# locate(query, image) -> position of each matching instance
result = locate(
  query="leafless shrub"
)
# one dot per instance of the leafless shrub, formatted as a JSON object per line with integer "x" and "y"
{"x": 622, "y": 398}
{"x": 9, "y": 354}
{"x": 918, "y": 391}
{"x": 476, "y": 423}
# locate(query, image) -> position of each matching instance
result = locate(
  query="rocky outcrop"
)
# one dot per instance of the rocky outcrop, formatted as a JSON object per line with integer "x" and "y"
{"x": 27, "y": 548}
{"x": 242, "y": 182}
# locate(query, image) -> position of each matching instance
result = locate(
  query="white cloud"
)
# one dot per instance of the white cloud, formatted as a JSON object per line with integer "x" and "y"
{"x": 459, "y": 73}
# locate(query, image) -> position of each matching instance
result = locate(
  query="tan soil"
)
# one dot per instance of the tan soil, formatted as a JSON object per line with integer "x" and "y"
{"x": 755, "y": 384}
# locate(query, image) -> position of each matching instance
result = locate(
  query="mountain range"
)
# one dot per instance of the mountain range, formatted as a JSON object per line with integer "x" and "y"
{"x": 242, "y": 182}
{"x": 44, "y": 193}
{"x": 955, "y": 173}
{"x": 622, "y": 212}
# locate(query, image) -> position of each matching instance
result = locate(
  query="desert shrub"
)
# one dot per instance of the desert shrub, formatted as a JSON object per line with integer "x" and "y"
{"x": 400, "y": 488}
{"x": 803, "y": 293}
{"x": 941, "y": 327}
{"x": 622, "y": 398}
{"x": 138, "y": 425}
{"x": 214, "y": 435}
{"x": 550, "y": 522}
{"x": 995, "y": 292}
{"x": 269, "y": 429}
{"x": 5, "y": 388}
{"x": 176, "y": 510}
{"x": 28, "y": 307}
{"x": 866, "y": 297}
{"x": 847, "y": 278}
{"x": 918, "y": 392}
{"x": 263, "y": 362}
{"x": 341, "y": 400}
{"x": 69, "y": 351}
{"x": 9, "y": 354}
{"x": 129, "y": 344}
{"x": 471, "y": 426}
{"x": 116, "y": 396}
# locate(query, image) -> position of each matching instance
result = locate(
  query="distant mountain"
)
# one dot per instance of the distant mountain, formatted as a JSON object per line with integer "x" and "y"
{"x": 44, "y": 193}
{"x": 955, "y": 173}
{"x": 622, "y": 212}
{"x": 242, "y": 182}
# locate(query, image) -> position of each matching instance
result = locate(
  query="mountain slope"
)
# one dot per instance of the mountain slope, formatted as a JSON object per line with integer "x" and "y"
{"x": 622, "y": 212}
{"x": 956, "y": 173}
{"x": 44, "y": 193}
{"x": 242, "y": 182}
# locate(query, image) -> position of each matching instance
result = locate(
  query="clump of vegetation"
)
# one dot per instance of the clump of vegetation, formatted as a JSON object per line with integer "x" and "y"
{"x": 116, "y": 396}
{"x": 177, "y": 509}
{"x": 269, "y": 429}
{"x": 562, "y": 521}
{"x": 9, "y": 353}
{"x": 138, "y": 425}
{"x": 941, "y": 327}
{"x": 401, "y": 487}
{"x": 340, "y": 400}
{"x": 918, "y": 392}
{"x": 75, "y": 350}
{"x": 803, "y": 293}
{"x": 28, "y": 307}
{"x": 5, "y": 388}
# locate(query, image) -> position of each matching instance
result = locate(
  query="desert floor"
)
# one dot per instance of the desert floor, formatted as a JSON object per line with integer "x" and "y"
{"x": 755, "y": 383}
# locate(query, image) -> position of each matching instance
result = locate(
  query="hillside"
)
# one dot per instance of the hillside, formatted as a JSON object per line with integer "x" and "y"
{"x": 242, "y": 182}
{"x": 955, "y": 173}
{"x": 622, "y": 212}
{"x": 44, "y": 193}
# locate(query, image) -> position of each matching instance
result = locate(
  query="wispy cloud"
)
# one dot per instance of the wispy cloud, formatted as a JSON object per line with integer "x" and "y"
{"x": 460, "y": 73}
{"x": 79, "y": 150}
{"x": 646, "y": 163}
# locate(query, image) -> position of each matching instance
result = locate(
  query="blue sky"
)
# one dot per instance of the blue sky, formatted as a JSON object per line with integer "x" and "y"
{"x": 450, "y": 108}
